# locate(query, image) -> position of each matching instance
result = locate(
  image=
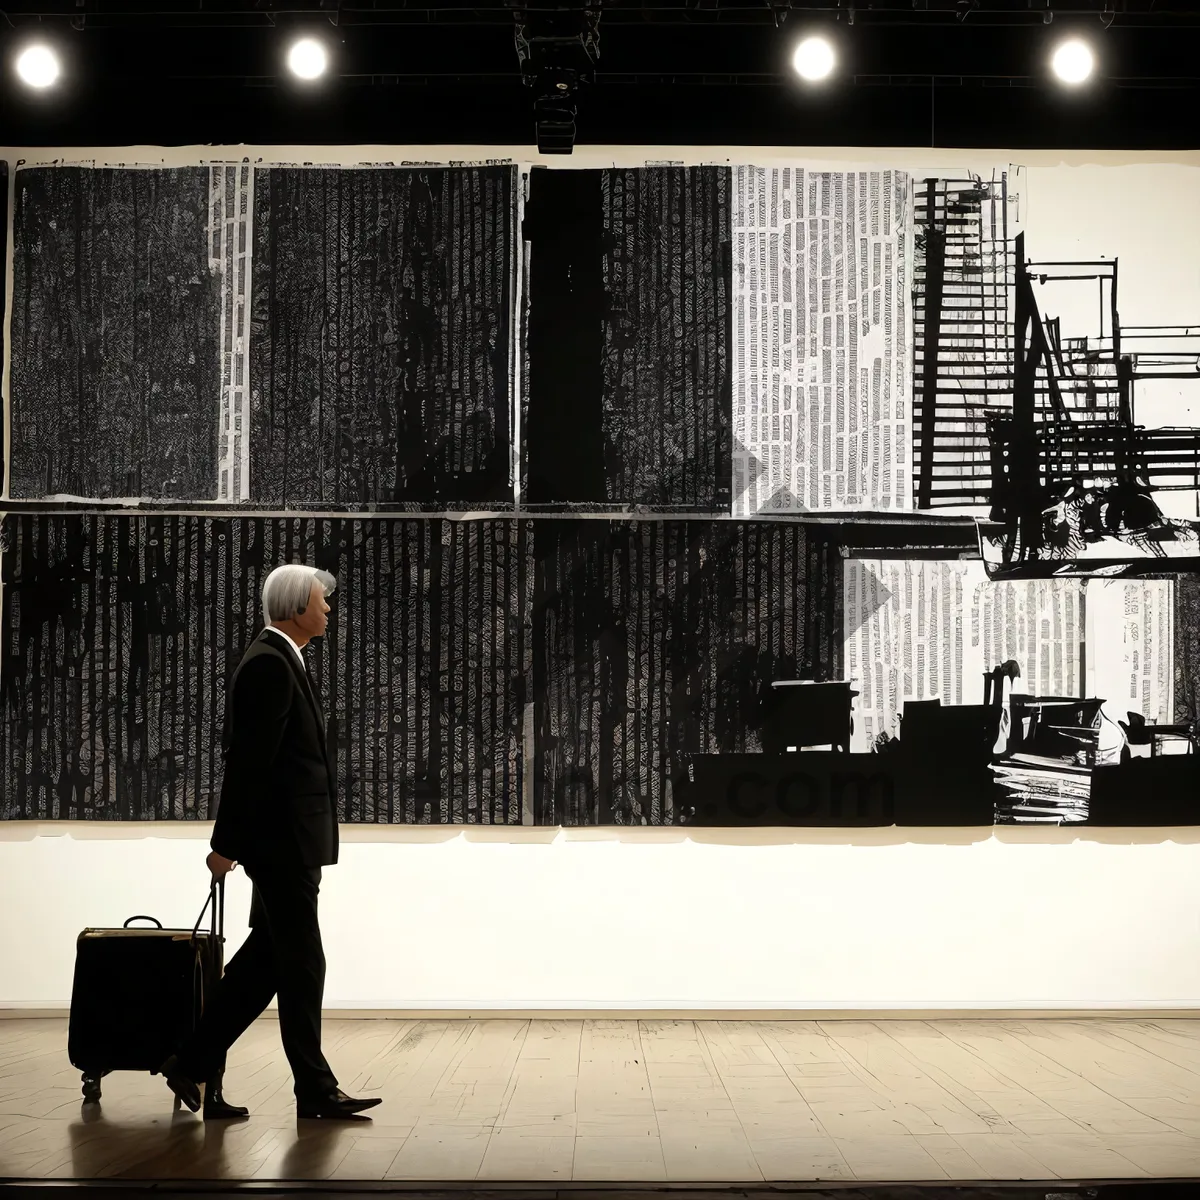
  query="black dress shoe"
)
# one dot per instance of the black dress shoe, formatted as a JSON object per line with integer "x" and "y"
{"x": 217, "y": 1108}
{"x": 184, "y": 1088}
{"x": 337, "y": 1106}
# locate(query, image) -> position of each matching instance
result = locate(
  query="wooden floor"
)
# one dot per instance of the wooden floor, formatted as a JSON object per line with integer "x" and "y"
{"x": 643, "y": 1101}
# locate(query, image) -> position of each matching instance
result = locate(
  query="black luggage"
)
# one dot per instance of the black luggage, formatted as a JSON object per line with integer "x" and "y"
{"x": 139, "y": 991}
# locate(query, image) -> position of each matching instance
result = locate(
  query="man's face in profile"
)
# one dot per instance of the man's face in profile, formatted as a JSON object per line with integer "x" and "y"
{"x": 315, "y": 618}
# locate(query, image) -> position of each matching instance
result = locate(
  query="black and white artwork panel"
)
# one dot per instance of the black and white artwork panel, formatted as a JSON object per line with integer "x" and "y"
{"x": 121, "y": 632}
{"x": 1057, "y": 396}
{"x": 1046, "y": 687}
{"x": 822, "y": 404}
{"x": 116, "y": 333}
{"x": 308, "y": 338}
{"x": 381, "y": 337}
{"x": 657, "y": 642}
{"x": 912, "y": 456}
{"x": 626, "y": 345}
{"x": 1055, "y": 404}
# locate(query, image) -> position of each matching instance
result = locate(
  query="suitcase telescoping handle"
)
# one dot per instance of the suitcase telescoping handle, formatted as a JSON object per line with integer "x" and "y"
{"x": 216, "y": 898}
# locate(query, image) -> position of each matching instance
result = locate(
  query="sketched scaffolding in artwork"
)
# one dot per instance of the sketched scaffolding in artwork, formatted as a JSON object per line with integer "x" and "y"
{"x": 1019, "y": 413}
{"x": 962, "y": 330}
{"x": 1073, "y": 473}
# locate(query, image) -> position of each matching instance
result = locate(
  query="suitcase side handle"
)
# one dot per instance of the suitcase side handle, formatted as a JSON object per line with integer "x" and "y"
{"x": 142, "y": 917}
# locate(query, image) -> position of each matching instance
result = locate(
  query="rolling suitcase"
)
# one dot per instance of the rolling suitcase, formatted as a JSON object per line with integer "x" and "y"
{"x": 139, "y": 991}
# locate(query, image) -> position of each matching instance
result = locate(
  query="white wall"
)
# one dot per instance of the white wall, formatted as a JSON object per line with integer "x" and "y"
{"x": 441, "y": 919}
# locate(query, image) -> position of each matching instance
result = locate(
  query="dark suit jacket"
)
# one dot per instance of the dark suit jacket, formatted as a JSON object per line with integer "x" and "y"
{"x": 277, "y": 807}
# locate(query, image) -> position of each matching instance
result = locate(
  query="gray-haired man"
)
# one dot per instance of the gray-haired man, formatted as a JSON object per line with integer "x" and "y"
{"x": 278, "y": 818}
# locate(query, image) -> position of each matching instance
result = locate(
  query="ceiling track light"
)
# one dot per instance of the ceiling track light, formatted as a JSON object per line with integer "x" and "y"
{"x": 307, "y": 59}
{"x": 38, "y": 66}
{"x": 814, "y": 58}
{"x": 1073, "y": 62}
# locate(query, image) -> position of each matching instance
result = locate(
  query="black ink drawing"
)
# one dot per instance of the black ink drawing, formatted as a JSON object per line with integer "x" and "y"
{"x": 120, "y": 632}
{"x": 627, "y": 340}
{"x": 1074, "y": 476}
{"x": 1033, "y": 419}
{"x": 312, "y": 338}
{"x": 381, "y": 337}
{"x": 822, "y": 379}
{"x": 115, "y": 335}
{"x": 693, "y": 343}
{"x": 656, "y": 641}
{"x": 1062, "y": 687}
{"x": 963, "y": 279}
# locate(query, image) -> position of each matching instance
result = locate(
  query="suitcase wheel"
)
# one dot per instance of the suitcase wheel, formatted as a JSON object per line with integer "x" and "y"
{"x": 91, "y": 1088}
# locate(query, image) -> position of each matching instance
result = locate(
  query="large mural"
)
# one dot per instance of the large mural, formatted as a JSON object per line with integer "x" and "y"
{"x": 657, "y": 495}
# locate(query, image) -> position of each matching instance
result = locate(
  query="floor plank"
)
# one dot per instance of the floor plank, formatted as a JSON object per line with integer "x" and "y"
{"x": 1002, "y": 1105}
{"x": 1005, "y": 1044}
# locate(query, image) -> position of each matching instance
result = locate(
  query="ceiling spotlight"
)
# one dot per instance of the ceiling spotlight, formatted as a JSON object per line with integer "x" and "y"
{"x": 814, "y": 59}
{"x": 307, "y": 59}
{"x": 1073, "y": 61}
{"x": 37, "y": 66}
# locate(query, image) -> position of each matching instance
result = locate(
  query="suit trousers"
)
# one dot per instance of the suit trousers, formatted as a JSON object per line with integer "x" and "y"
{"x": 282, "y": 956}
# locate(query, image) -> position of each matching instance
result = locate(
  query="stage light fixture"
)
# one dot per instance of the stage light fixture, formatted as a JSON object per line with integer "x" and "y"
{"x": 557, "y": 49}
{"x": 38, "y": 66}
{"x": 1073, "y": 62}
{"x": 307, "y": 59}
{"x": 814, "y": 59}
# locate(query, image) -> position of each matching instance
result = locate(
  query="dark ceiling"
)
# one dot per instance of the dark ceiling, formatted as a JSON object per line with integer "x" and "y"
{"x": 715, "y": 72}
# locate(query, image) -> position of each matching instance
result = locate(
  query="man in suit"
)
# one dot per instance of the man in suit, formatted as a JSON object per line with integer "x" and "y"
{"x": 277, "y": 817}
